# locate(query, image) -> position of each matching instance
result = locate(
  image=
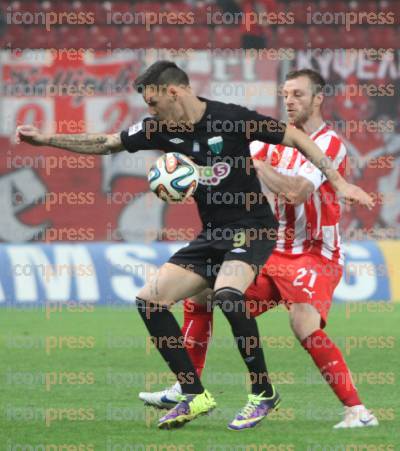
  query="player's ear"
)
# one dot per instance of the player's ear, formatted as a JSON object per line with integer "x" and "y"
{"x": 318, "y": 99}
{"x": 172, "y": 91}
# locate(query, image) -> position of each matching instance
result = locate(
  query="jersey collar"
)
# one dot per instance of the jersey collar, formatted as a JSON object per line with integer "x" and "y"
{"x": 319, "y": 129}
{"x": 206, "y": 112}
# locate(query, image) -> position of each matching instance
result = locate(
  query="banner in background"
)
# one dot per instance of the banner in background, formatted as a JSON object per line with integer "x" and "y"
{"x": 52, "y": 195}
{"x": 100, "y": 273}
{"x": 361, "y": 104}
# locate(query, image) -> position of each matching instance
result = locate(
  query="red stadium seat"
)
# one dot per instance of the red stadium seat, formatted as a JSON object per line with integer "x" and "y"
{"x": 25, "y": 6}
{"x": 13, "y": 38}
{"x": 390, "y": 6}
{"x": 76, "y": 39}
{"x": 148, "y": 13}
{"x": 270, "y": 33}
{"x": 176, "y": 7}
{"x": 92, "y": 10}
{"x": 115, "y": 13}
{"x": 103, "y": 37}
{"x": 77, "y": 6}
{"x": 281, "y": 6}
{"x": 227, "y": 37}
{"x": 167, "y": 37}
{"x": 383, "y": 37}
{"x": 289, "y": 36}
{"x": 202, "y": 13}
{"x": 207, "y": 13}
{"x": 196, "y": 37}
{"x": 322, "y": 36}
{"x": 135, "y": 37}
{"x": 362, "y": 6}
{"x": 355, "y": 38}
{"x": 327, "y": 6}
{"x": 148, "y": 7}
{"x": 118, "y": 7}
{"x": 39, "y": 38}
{"x": 299, "y": 10}
{"x": 55, "y": 6}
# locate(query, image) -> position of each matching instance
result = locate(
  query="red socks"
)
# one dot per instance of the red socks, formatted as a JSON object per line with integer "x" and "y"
{"x": 197, "y": 331}
{"x": 329, "y": 359}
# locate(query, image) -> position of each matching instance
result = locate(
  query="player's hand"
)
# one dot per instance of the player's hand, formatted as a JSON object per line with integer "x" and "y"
{"x": 353, "y": 193}
{"x": 28, "y": 134}
{"x": 261, "y": 166}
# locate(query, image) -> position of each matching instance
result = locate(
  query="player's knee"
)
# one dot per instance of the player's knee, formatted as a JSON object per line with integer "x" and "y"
{"x": 302, "y": 326}
{"x": 152, "y": 295}
{"x": 297, "y": 328}
{"x": 143, "y": 293}
{"x": 203, "y": 298}
{"x": 230, "y": 300}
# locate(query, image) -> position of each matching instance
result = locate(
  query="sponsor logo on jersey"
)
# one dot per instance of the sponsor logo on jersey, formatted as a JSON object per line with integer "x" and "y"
{"x": 176, "y": 141}
{"x": 216, "y": 143}
{"x": 135, "y": 128}
{"x": 212, "y": 175}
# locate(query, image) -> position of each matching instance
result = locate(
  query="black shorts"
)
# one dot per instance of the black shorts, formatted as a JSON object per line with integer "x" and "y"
{"x": 250, "y": 241}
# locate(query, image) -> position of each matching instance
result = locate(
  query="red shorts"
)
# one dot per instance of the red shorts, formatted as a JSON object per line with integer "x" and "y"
{"x": 285, "y": 278}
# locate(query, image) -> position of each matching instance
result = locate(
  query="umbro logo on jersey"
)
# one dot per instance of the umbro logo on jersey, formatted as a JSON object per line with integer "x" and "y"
{"x": 176, "y": 141}
{"x": 239, "y": 250}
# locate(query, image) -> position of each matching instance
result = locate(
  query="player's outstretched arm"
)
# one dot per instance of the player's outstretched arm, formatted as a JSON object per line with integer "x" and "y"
{"x": 97, "y": 144}
{"x": 295, "y": 188}
{"x": 296, "y": 138}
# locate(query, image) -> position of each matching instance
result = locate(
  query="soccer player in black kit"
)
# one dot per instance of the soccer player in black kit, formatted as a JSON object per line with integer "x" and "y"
{"x": 239, "y": 229}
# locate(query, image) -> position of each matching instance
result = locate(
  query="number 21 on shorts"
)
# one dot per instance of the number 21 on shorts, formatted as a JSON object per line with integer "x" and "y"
{"x": 300, "y": 282}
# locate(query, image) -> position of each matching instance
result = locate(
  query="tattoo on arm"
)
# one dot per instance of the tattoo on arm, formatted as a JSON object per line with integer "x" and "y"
{"x": 87, "y": 143}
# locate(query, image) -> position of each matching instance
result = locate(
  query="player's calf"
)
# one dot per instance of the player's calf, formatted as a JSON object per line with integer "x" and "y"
{"x": 245, "y": 331}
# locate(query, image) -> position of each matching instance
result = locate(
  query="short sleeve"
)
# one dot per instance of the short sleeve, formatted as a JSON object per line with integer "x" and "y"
{"x": 134, "y": 138}
{"x": 259, "y": 150}
{"x": 312, "y": 173}
{"x": 333, "y": 148}
{"x": 262, "y": 128}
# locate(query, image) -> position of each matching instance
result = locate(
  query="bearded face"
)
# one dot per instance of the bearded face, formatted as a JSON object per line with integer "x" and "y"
{"x": 300, "y": 100}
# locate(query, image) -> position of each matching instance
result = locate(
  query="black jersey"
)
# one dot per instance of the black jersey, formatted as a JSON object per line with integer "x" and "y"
{"x": 229, "y": 189}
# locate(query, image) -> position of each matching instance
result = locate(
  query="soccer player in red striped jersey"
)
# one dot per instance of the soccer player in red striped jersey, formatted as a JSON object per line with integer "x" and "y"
{"x": 306, "y": 265}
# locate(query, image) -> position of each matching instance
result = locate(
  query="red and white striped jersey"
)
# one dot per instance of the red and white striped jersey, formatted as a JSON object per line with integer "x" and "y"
{"x": 314, "y": 225}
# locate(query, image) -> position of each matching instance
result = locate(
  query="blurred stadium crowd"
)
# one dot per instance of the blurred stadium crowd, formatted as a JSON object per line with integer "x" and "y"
{"x": 202, "y": 24}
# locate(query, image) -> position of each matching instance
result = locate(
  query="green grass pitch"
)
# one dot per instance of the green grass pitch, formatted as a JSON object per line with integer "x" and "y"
{"x": 69, "y": 381}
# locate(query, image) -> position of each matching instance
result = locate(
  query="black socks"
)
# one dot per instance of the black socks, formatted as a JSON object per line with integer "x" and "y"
{"x": 168, "y": 339}
{"x": 245, "y": 331}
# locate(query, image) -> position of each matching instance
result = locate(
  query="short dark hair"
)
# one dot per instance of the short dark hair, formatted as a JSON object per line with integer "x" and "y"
{"x": 317, "y": 80}
{"x": 161, "y": 73}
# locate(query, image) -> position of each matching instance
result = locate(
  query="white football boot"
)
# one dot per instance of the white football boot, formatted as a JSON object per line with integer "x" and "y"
{"x": 165, "y": 399}
{"x": 357, "y": 417}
